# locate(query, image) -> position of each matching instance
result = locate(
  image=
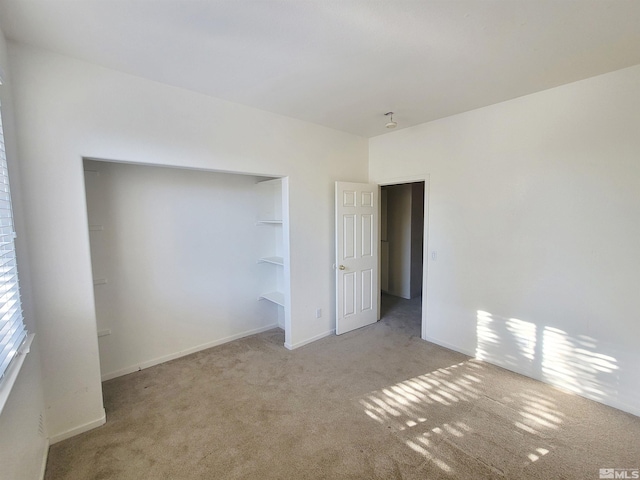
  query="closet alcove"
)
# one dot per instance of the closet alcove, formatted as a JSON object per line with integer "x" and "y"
{"x": 183, "y": 260}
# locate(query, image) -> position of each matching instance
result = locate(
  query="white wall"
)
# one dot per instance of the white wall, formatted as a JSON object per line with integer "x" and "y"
{"x": 66, "y": 110}
{"x": 399, "y": 237}
{"x": 417, "y": 235}
{"x": 533, "y": 211}
{"x": 23, "y": 447}
{"x": 174, "y": 255}
{"x": 23, "y": 440}
{"x": 384, "y": 242}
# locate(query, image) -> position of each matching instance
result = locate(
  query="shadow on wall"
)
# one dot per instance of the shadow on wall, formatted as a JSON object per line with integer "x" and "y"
{"x": 572, "y": 362}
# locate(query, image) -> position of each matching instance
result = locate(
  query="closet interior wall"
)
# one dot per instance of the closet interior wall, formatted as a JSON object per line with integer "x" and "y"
{"x": 175, "y": 259}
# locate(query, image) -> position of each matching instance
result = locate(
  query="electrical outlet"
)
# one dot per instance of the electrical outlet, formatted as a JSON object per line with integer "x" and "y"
{"x": 318, "y": 312}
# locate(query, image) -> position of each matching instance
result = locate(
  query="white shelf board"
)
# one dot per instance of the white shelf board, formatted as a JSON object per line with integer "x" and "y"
{"x": 275, "y": 297}
{"x": 269, "y": 222}
{"x": 274, "y": 260}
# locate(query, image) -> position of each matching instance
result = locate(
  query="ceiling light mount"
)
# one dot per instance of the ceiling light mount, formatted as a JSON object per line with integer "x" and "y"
{"x": 390, "y": 123}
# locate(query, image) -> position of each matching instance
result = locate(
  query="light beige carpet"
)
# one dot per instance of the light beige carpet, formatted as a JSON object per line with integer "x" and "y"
{"x": 377, "y": 403}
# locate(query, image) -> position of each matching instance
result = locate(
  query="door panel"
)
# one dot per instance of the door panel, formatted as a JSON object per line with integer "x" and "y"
{"x": 349, "y": 298}
{"x": 367, "y": 290}
{"x": 367, "y": 235}
{"x": 349, "y": 236}
{"x": 356, "y": 255}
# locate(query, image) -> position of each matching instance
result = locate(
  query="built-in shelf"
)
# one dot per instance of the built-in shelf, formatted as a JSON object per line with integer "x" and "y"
{"x": 269, "y": 222}
{"x": 275, "y": 297}
{"x": 270, "y": 247}
{"x": 274, "y": 260}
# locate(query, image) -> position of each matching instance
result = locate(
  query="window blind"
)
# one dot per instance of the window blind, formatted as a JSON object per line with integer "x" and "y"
{"x": 12, "y": 329}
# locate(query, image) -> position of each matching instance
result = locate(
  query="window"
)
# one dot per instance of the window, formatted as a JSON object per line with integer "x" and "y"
{"x": 12, "y": 329}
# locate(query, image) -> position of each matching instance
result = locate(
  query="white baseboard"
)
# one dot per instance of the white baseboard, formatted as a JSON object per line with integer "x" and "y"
{"x": 455, "y": 348}
{"x": 182, "y": 353}
{"x": 309, "y": 340}
{"x": 78, "y": 430}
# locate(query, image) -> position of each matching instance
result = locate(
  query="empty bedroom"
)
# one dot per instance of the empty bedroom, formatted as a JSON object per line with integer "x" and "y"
{"x": 268, "y": 239}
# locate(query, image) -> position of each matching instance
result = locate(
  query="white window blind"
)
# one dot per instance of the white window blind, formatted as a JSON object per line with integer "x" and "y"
{"x": 12, "y": 329}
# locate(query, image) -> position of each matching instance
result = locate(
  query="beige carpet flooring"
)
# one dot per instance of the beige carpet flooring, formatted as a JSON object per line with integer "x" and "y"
{"x": 377, "y": 403}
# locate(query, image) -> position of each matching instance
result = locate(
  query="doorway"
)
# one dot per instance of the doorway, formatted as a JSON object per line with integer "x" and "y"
{"x": 402, "y": 241}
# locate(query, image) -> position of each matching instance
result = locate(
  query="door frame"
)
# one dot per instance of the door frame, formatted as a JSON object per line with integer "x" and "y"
{"x": 425, "y": 248}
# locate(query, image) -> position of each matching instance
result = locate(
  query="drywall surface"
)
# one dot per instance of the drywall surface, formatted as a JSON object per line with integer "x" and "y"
{"x": 68, "y": 109}
{"x": 417, "y": 235}
{"x": 533, "y": 211}
{"x": 175, "y": 261}
{"x": 399, "y": 237}
{"x": 384, "y": 242}
{"x": 23, "y": 442}
{"x": 402, "y": 218}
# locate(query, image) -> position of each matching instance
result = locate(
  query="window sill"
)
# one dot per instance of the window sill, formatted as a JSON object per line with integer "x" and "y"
{"x": 12, "y": 372}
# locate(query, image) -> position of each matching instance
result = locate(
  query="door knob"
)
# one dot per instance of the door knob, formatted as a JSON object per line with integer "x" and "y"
{"x": 342, "y": 267}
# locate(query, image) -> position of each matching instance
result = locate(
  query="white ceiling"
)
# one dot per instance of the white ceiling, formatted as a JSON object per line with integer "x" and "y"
{"x": 342, "y": 63}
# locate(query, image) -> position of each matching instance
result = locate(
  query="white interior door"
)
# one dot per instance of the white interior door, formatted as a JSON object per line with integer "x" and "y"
{"x": 356, "y": 255}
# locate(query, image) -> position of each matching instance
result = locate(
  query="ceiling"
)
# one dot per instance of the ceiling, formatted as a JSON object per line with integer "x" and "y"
{"x": 342, "y": 63}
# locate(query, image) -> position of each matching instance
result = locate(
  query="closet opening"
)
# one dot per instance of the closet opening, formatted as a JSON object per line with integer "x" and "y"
{"x": 402, "y": 239}
{"x": 184, "y": 260}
